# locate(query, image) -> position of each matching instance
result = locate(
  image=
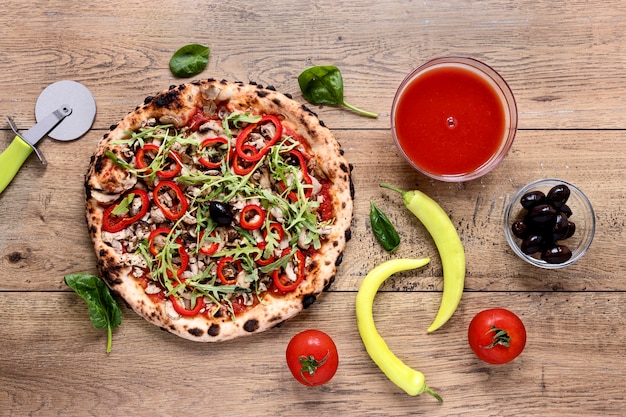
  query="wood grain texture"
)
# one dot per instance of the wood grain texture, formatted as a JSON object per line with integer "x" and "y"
{"x": 565, "y": 64}
{"x": 54, "y": 363}
{"x": 54, "y": 240}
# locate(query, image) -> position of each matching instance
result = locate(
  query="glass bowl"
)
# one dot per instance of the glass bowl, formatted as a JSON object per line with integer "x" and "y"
{"x": 582, "y": 215}
{"x": 454, "y": 118}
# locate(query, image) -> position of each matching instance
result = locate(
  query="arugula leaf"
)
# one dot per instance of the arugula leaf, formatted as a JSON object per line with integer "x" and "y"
{"x": 122, "y": 207}
{"x": 164, "y": 134}
{"x": 103, "y": 309}
{"x": 324, "y": 85}
{"x": 189, "y": 60}
{"x": 280, "y": 263}
{"x": 118, "y": 161}
{"x": 235, "y": 119}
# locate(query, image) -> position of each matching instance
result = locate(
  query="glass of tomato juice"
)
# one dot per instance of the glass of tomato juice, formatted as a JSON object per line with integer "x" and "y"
{"x": 454, "y": 118}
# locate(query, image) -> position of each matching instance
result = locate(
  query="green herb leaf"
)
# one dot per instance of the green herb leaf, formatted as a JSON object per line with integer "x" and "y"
{"x": 324, "y": 85}
{"x": 122, "y": 207}
{"x": 103, "y": 309}
{"x": 280, "y": 263}
{"x": 236, "y": 119}
{"x": 383, "y": 229}
{"x": 117, "y": 160}
{"x": 189, "y": 60}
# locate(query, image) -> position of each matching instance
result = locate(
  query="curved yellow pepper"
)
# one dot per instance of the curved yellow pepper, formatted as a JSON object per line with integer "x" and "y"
{"x": 410, "y": 380}
{"x": 448, "y": 245}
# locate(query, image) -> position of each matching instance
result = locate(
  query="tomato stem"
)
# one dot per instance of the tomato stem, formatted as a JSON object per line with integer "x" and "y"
{"x": 310, "y": 365}
{"x": 500, "y": 337}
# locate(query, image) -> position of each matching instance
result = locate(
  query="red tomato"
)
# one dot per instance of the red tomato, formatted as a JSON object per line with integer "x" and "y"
{"x": 497, "y": 335}
{"x": 312, "y": 357}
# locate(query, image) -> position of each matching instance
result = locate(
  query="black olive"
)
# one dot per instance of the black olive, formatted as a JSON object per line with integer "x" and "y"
{"x": 558, "y": 195}
{"x": 571, "y": 228}
{"x": 561, "y": 227}
{"x": 542, "y": 213}
{"x": 221, "y": 213}
{"x": 532, "y": 244}
{"x": 545, "y": 222}
{"x": 520, "y": 229}
{"x": 565, "y": 209}
{"x": 556, "y": 254}
{"x": 532, "y": 198}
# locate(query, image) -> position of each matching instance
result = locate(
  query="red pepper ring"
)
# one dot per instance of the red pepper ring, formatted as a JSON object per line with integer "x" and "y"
{"x": 243, "y": 137}
{"x": 212, "y": 247}
{"x": 225, "y": 276}
{"x": 240, "y": 165}
{"x": 154, "y": 250}
{"x": 112, "y": 223}
{"x": 252, "y": 217}
{"x": 213, "y": 143}
{"x": 140, "y": 160}
{"x": 187, "y": 312}
{"x": 182, "y": 253}
{"x": 175, "y": 170}
{"x": 278, "y": 274}
{"x": 184, "y": 259}
{"x": 276, "y": 229}
{"x": 178, "y": 209}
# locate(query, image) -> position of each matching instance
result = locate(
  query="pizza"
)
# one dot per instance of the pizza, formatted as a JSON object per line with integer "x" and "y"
{"x": 219, "y": 209}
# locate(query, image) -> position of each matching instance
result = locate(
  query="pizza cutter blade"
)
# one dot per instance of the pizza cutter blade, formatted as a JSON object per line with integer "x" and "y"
{"x": 65, "y": 111}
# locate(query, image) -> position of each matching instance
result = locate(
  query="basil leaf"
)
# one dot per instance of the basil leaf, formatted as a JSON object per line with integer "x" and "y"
{"x": 189, "y": 60}
{"x": 323, "y": 84}
{"x": 383, "y": 229}
{"x": 103, "y": 309}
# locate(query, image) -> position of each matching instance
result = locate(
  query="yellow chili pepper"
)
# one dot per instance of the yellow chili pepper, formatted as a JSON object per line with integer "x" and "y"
{"x": 405, "y": 377}
{"x": 449, "y": 246}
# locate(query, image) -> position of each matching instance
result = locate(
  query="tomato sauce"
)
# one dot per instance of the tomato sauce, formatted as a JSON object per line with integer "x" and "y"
{"x": 450, "y": 120}
{"x": 326, "y": 210}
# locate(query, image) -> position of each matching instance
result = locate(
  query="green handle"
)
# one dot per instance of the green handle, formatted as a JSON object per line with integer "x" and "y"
{"x": 11, "y": 159}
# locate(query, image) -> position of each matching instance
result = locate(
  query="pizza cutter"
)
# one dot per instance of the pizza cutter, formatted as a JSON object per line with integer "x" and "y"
{"x": 65, "y": 110}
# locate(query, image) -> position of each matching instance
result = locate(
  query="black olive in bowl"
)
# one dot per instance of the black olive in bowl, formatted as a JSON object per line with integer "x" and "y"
{"x": 549, "y": 223}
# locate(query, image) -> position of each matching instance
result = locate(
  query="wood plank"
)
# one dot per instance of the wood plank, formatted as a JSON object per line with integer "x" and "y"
{"x": 52, "y": 239}
{"x": 564, "y": 63}
{"x": 52, "y": 361}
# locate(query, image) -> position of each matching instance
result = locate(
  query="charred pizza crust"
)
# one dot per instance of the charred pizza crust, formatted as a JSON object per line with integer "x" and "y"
{"x": 106, "y": 181}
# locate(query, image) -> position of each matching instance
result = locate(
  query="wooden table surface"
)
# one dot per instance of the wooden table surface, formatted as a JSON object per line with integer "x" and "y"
{"x": 566, "y": 64}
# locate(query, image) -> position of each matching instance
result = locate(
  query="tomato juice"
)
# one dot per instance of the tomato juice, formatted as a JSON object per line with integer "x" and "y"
{"x": 454, "y": 119}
